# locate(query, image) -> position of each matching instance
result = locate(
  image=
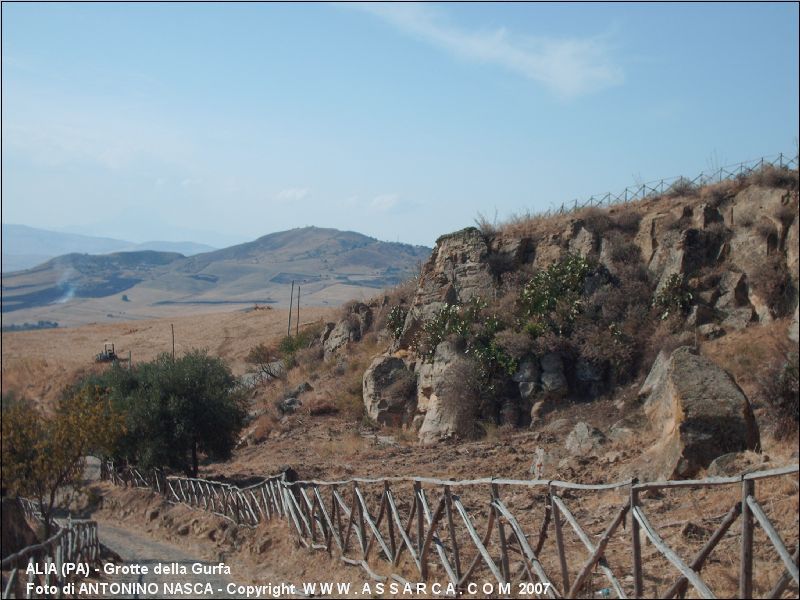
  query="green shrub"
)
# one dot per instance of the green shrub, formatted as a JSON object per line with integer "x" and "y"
{"x": 451, "y": 319}
{"x": 397, "y": 320}
{"x": 552, "y": 298}
{"x": 674, "y": 298}
{"x": 478, "y": 329}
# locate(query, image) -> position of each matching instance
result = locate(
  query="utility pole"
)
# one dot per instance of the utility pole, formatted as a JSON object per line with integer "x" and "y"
{"x": 172, "y": 326}
{"x": 297, "y": 323}
{"x": 291, "y": 298}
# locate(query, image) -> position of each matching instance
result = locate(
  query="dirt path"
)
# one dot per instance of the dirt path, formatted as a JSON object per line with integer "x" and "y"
{"x": 139, "y": 550}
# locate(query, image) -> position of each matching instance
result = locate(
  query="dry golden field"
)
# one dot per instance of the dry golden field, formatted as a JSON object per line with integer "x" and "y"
{"x": 38, "y": 364}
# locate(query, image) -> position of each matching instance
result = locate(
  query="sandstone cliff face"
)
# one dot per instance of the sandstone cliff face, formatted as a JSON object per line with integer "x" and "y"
{"x": 457, "y": 270}
{"x": 716, "y": 246}
{"x": 389, "y": 391}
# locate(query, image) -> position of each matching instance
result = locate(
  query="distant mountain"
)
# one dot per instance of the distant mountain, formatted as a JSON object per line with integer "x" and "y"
{"x": 25, "y": 247}
{"x": 71, "y": 276}
{"x": 330, "y": 266}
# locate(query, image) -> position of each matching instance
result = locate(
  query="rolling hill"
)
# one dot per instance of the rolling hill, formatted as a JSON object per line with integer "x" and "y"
{"x": 26, "y": 247}
{"x": 331, "y": 266}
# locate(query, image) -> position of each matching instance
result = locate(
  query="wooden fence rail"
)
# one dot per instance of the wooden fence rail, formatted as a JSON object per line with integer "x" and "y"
{"x": 48, "y": 563}
{"x": 420, "y": 528}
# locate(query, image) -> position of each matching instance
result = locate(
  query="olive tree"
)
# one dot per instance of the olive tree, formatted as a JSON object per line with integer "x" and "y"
{"x": 176, "y": 410}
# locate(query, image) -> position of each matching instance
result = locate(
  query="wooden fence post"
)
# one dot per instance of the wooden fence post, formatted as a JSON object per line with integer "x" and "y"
{"x": 562, "y": 558}
{"x": 452, "y": 530}
{"x": 746, "y": 562}
{"x": 291, "y": 297}
{"x": 502, "y": 535}
{"x": 638, "y": 583}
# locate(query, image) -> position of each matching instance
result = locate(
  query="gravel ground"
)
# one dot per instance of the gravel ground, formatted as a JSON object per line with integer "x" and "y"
{"x": 143, "y": 551}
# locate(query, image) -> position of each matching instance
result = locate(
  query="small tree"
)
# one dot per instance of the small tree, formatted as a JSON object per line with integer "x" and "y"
{"x": 177, "y": 409}
{"x": 43, "y": 455}
{"x": 267, "y": 360}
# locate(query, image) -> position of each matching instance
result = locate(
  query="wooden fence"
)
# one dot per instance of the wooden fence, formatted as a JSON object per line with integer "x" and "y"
{"x": 76, "y": 542}
{"x": 458, "y": 532}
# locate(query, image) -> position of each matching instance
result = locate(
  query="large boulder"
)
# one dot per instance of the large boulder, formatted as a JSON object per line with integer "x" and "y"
{"x": 350, "y": 328}
{"x": 446, "y": 401}
{"x": 584, "y": 439}
{"x": 389, "y": 391}
{"x": 696, "y": 411}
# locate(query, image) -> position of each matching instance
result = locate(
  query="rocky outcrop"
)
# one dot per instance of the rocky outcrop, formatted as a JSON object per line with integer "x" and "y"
{"x": 763, "y": 222}
{"x": 733, "y": 304}
{"x": 540, "y": 381}
{"x": 527, "y": 378}
{"x": 553, "y": 380}
{"x": 457, "y": 270}
{"x": 697, "y": 413}
{"x": 681, "y": 253}
{"x": 584, "y": 440}
{"x": 737, "y": 463}
{"x": 351, "y": 328}
{"x": 715, "y": 242}
{"x": 584, "y": 242}
{"x": 443, "y": 409}
{"x": 389, "y": 390}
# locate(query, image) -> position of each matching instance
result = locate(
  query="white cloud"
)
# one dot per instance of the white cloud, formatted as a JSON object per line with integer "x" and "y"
{"x": 384, "y": 202}
{"x": 568, "y": 67}
{"x": 293, "y": 194}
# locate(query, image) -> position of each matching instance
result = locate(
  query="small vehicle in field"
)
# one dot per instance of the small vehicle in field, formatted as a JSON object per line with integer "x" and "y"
{"x": 108, "y": 354}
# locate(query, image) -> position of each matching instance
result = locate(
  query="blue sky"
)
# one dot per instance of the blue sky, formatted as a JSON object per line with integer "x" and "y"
{"x": 220, "y": 123}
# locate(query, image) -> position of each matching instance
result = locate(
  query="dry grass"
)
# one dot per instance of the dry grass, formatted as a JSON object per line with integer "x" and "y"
{"x": 38, "y": 364}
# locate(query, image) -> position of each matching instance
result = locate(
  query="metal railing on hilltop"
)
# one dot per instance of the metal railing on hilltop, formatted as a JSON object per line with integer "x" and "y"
{"x": 659, "y": 187}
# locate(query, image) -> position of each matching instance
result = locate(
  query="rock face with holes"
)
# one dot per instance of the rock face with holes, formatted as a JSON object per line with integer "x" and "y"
{"x": 457, "y": 270}
{"x": 696, "y": 413}
{"x": 389, "y": 391}
{"x": 717, "y": 260}
{"x": 442, "y": 410}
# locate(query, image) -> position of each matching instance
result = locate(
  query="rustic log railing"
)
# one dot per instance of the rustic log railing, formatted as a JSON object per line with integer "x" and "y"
{"x": 31, "y": 510}
{"x": 458, "y": 532}
{"x": 47, "y": 564}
